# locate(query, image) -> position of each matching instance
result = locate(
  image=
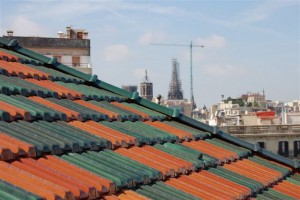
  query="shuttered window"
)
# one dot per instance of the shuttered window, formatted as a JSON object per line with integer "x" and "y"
{"x": 296, "y": 148}
{"x": 261, "y": 144}
{"x": 283, "y": 148}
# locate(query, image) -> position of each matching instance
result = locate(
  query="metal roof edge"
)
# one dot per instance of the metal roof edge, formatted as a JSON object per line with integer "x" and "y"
{"x": 155, "y": 106}
{"x": 112, "y": 88}
{"x": 295, "y": 163}
{"x": 196, "y": 123}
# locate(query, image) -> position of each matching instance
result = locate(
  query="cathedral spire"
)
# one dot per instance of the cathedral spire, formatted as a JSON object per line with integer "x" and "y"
{"x": 175, "y": 91}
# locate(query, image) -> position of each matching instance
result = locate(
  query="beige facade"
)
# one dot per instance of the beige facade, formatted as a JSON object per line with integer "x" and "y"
{"x": 272, "y": 141}
{"x": 280, "y": 139}
{"x": 256, "y": 100}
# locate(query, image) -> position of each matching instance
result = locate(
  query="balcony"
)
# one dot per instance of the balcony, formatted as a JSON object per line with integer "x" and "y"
{"x": 295, "y": 128}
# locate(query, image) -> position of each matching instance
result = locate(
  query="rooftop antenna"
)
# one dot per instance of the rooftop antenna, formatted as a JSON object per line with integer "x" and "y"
{"x": 191, "y": 63}
{"x": 146, "y": 76}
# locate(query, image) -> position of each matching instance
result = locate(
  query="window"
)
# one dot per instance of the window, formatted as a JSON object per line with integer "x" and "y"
{"x": 261, "y": 144}
{"x": 283, "y": 148}
{"x": 149, "y": 91}
{"x": 76, "y": 61}
{"x": 296, "y": 148}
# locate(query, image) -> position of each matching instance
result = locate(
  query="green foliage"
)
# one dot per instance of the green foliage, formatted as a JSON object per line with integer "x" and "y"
{"x": 238, "y": 101}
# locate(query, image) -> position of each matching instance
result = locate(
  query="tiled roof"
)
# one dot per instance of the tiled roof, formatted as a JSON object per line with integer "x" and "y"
{"x": 68, "y": 135}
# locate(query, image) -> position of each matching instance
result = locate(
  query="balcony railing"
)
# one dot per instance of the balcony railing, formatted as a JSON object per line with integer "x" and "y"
{"x": 295, "y": 128}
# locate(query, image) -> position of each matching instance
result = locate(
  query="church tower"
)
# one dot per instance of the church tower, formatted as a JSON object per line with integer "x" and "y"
{"x": 146, "y": 88}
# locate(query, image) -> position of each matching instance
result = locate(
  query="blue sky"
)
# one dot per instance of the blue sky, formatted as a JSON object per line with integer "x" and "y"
{"x": 249, "y": 45}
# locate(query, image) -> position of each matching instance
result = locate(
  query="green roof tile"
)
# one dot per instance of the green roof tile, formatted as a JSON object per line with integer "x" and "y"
{"x": 11, "y": 192}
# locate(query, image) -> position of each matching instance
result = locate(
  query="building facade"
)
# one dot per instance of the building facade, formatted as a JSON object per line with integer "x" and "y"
{"x": 281, "y": 139}
{"x": 72, "y": 48}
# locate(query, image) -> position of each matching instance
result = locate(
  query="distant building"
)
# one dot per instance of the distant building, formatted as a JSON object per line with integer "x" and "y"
{"x": 71, "y": 48}
{"x": 175, "y": 95}
{"x": 201, "y": 114}
{"x": 275, "y": 125}
{"x": 175, "y": 91}
{"x": 256, "y": 99}
{"x": 146, "y": 88}
{"x": 291, "y": 112}
{"x": 183, "y": 105}
{"x": 130, "y": 88}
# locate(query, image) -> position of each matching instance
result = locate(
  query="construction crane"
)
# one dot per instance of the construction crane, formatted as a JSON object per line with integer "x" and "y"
{"x": 191, "y": 62}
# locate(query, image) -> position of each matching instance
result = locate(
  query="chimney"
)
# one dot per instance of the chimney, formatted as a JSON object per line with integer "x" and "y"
{"x": 60, "y": 34}
{"x": 85, "y": 35}
{"x": 68, "y": 28}
{"x": 10, "y": 33}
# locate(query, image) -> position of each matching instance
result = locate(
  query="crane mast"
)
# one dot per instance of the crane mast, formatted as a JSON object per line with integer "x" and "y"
{"x": 191, "y": 63}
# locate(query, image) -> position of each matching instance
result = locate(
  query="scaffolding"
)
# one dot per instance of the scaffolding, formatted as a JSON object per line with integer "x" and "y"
{"x": 175, "y": 91}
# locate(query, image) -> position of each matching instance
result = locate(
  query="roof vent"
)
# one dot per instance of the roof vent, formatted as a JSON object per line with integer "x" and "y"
{"x": 216, "y": 130}
{"x": 257, "y": 147}
{"x": 135, "y": 95}
{"x": 175, "y": 113}
{"x": 93, "y": 78}
{"x": 13, "y": 43}
{"x": 52, "y": 61}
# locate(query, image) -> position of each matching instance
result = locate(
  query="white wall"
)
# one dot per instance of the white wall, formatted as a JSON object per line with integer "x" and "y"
{"x": 85, "y": 60}
{"x": 66, "y": 60}
{"x": 293, "y": 118}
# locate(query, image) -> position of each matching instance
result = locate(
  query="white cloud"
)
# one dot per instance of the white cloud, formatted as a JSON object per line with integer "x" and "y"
{"x": 264, "y": 11}
{"x": 21, "y": 25}
{"x": 79, "y": 8}
{"x": 223, "y": 70}
{"x": 212, "y": 42}
{"x": 116, "y": 53}
{"x": 152, "y": 37}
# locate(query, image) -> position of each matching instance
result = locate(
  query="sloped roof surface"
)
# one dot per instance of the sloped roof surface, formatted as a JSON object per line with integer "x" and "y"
{"x": 67, "y": 135}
